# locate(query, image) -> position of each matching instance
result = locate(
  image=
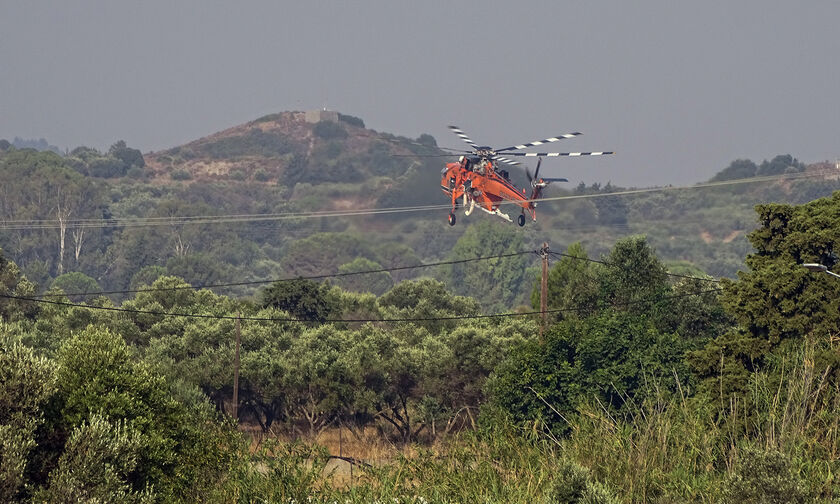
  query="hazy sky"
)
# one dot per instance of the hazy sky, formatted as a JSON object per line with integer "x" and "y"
{"x": 678, "y": 89}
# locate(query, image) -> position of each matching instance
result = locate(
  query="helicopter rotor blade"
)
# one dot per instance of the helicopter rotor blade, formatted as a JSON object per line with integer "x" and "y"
{"x": 505, "y": 160}
{"x": 556, "y": 154}
{"x": 425, "y": 155}
{"x": 463, "y": 136}
{"x": 459, "y": 151}
{"x": 541, "y": 142}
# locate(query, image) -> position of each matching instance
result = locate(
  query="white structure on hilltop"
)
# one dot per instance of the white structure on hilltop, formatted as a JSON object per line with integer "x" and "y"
{"x": 314, "y": 116}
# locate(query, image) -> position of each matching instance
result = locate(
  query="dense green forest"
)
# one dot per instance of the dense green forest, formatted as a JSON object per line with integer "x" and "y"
{"x": 652, "y": 381}
{"x": 238, "y": 206}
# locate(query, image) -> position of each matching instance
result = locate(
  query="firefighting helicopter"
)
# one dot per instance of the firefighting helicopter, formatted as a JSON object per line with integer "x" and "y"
{"x": 477, "y": 181}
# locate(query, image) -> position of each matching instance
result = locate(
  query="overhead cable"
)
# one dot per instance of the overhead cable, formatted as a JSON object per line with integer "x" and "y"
{"x": 289, "y": 279}
{"x": 358, "y": 320}
{"x": 605, "y": 263}
{"x": 238, "y": 218}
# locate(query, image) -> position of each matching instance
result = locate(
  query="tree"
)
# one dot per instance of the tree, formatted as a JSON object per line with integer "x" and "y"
{"x": 146, "y": 276}
{"x": 377, "y": 283}
{"x": 106, "y": 167}
{"x": 390, "y": 366}
{"x": 783, "y": 163}
{"x": 426, "y": 299}
{"x": 612, "y": 357}
{"x": 301, "y": 298}
{"x": 27, "y": 382}
{"x": 42, "y": 186}
{"x": 97, "y": 464}
{"x": 352, "y": 120}
{"x": 198, "y": 269}
{"x": 612, "y": 210}
{"x": 13, "y": 283}
{"x": 499, "y": 280}
{"x": 76, "y": 282}
{"x": 319, "y": 381}
{"x": 128, "y": 156}
{"x": 427, "y": 140}
{"x": 181, "y": 451}
{"x": 776, "y": 302}
{"x": 738, "y": 169}
{"x": 633, "y": 277}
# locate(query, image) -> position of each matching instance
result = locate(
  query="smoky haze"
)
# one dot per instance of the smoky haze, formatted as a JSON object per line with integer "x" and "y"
{"x": 678, "y": 89}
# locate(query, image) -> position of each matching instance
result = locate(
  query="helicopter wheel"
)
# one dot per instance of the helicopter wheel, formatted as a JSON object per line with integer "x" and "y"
{"x": 452, "y": 219}
{"x": 521, "y": 220}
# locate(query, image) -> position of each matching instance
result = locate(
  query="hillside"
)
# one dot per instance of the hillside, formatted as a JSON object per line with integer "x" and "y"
{"x": 281, "y": 165}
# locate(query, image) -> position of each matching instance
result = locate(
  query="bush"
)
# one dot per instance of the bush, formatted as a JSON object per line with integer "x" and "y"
{"x": 783, "y": 163}
{"x": 261, "y": 176}
{"x": 738, "y": 169}
{"x": 764, "y": 477}
{"x": 329, "y": 130}
{"x": 180, "y": 174}
{"x": 136, "y": 172}
{"x": 107, "y": 167}
{"x": 267, "y": 118}
{"x": 255, "y": 142}
{"x": 573, "y": 484}
{"x": 352, "y": 120}
{"x": 427, "y": 140}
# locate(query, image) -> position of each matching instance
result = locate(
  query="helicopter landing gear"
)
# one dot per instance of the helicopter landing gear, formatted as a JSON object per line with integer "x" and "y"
{"x": 452, "y": 219}
{"x": 521, "y": 220}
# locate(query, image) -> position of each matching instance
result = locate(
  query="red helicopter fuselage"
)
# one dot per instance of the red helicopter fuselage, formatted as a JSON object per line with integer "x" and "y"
{"x": 476, "y": 182}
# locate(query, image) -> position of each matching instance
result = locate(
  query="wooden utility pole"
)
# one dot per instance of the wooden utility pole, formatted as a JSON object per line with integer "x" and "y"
{"x": 543, "y": 288}
{"x": 236, "y": 371}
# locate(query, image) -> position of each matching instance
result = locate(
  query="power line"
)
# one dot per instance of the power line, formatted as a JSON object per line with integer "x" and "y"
{"x": 311, "y": 277}
{"x": 238, "y": 218}
{"x": 396, "y": 319}
{"x": 605, "y": 263}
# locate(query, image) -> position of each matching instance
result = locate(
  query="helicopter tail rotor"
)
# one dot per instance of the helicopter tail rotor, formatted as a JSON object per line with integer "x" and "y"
{"x": 537, "y": 183}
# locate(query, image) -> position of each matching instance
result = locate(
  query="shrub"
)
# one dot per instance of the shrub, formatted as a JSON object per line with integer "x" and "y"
{"x": 329, "y": 130}
{"x": 107, "y": 167}
{"x": 136, "y": 172}
{"x": 180, "y": 174}
{"x": 255, "y": 142}
{"x": 267, "y": 118}
{"x": 352, "y": 120}
{"x": 764, "y": 476}
{"x": 427, "y": 139}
